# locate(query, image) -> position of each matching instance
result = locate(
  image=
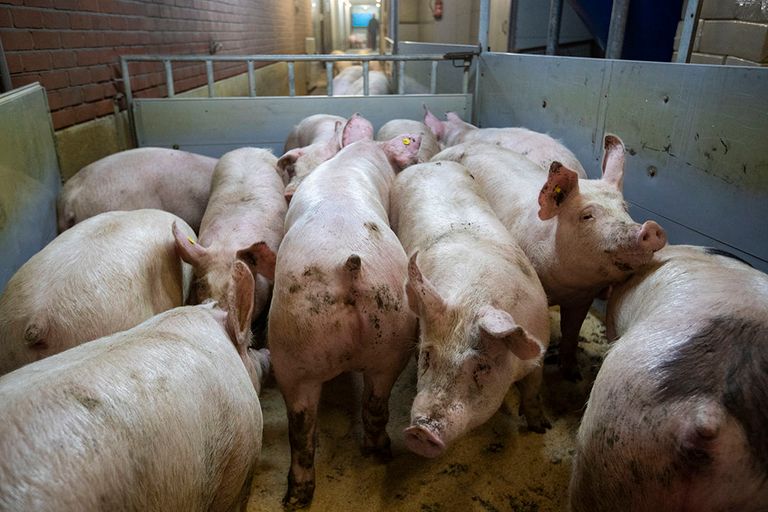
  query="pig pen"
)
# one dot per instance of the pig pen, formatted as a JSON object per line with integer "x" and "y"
{"x": 696, "y": 164}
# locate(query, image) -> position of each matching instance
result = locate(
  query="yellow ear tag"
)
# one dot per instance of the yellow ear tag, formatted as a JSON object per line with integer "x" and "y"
{"x": 190, "y": 240}
{"x": 558, "y": 189}
{"x": 406, "y": 141}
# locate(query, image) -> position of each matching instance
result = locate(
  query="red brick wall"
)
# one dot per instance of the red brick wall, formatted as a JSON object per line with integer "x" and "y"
{"x": 72, "y": 46}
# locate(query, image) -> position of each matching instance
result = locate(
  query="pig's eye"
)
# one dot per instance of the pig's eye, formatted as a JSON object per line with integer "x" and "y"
{"x": 587, "y": 216}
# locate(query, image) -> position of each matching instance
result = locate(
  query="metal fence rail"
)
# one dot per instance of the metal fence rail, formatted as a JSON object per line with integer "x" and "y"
{"x": 465, "y": 59}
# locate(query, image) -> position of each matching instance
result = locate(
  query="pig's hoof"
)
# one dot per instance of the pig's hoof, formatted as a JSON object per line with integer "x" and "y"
{"x": 298, "y": 496}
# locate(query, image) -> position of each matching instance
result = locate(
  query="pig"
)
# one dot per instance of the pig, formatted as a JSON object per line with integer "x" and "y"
{"x": 163, "y": 416}
{"x": 676, "y": 418}
{"x": 538, "y": 147}
{"x": 350, "y": 82}
{"x": 165, "y": 179}
{"x": 313, "y": 129}
{"x": 104, "y": 275}
{"x": 339, "y": 301}
{"x": 576, "y": 232}
{"x": 482, "y": 326}
{"x": 243, "y": 221}
{"x": 299, "y": 162}
{"x": 429, "y": 145}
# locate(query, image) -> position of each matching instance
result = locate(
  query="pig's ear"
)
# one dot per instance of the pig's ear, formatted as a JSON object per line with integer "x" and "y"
{"x": 187, "y": 249}
{"x": 454, "y": 118}
{"x": 423, "y": 298}
{"x": 498, "y": 325}
{"x": 434, "y": 123}
{"x": 239, "y": 317}
{"x": 402, "y": 150}
{"x": 260, "y": 259}
{"x": 613, "y": 160}
{"x": 286, "y": 164}
{"x": 561, "y": 184}
{"x": 357, "y": 128}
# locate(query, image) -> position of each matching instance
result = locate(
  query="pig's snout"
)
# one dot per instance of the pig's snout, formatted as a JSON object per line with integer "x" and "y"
{"x": 423, "y": 442}
{"x": 651, "y": 237}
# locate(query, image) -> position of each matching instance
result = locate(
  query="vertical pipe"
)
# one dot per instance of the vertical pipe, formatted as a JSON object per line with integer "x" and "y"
{"x": 401, "y": 77}
{"x": 291, "y": 79}
{"x": 209, "y": 75}
{"x": 482, "y": 31}
{"x": 433, "y": 78}
{"x": 251, "y": 80}
{"x": 329, "y": 77}
{"x": 5, "y": 73}
{"x": 126, "y": 83}
{"x": 616, "y": 29}
{"x": 169, "y": 78}
{"x": 394, "y": 24}
{"x": 465, "y": 79}
{"x": 553, "y": 33}
{"x": 512, "y": 27}
{"x": 688, "y": 35}
{"x": 366, "y": 79}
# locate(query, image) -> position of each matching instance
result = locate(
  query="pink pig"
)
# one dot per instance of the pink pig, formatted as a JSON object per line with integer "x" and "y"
{"x": 339, "y": 299}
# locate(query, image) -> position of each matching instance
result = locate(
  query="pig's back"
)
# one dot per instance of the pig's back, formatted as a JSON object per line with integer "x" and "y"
{"x": 165, "y": 179}
{"x": 132, "y": 422}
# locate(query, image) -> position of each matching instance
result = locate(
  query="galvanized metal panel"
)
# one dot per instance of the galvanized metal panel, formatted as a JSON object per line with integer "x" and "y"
{"x": 696, "y": 135}
{"x": 449, "y": 73}
{"x": 214, "y": 126}
{"x": 29, "y": 174}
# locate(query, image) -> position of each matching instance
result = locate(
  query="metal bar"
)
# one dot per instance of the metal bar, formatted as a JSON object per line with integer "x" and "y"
{"x": 251, "y": 80}
{"x": 433, "y": 78}
{"x": 512, "y": 27}
{"x": 401, "y": 77}
{"x": 329, "y": 77}
{"x": 366, "y": 80}
{"x": 394, "y": 24}
{"x": 616, "y": 29}
{"x": 5, "y": 73}
{"x": 169, "y": 78}
{"x": 209, "y": 75}
{"x": 291, "y": 79}
{"x": 555, "y": 17}
{"x": 290, "y": 57}
{"x": 485, "y": 18}
{"x": 126, "y": 83}
{"x": 688, "y": 35}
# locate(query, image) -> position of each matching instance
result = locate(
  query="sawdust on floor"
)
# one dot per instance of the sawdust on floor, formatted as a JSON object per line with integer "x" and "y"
{"x": 499, "y": 466}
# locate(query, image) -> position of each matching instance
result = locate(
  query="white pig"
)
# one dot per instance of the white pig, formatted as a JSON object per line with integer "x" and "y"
{"x": 350, "y": 82}
{"x": 164, "y": 416}
{"x": 538, "y": 147}
{"x": 483, "y": 315}
{"x": 311, "y": 130}
{"x": 576, "y": 232}
{"x": 677, "y": 416}
{"x": 243, "y": 221}
{"x": 106, "y": 274}
{"x": 165, "y": 179}
{"x": 339, "y": 298}
{"x": 429, "y": 146}
{"x": 299, "y": 162}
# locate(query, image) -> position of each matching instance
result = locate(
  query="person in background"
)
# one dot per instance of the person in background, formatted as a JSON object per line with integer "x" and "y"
{"x": 373, "y": 32}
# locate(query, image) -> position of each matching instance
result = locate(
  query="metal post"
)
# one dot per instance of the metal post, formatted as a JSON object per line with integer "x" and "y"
{"x": 401, "y": 77}
{"x": 366, "y": 90}
{"x": 5, "y": 73}
{"x": 433, "y": 78}
{"x": 251, "y": 80}
{"x": 616, "y": 29}
{"x": 126, "y": 83}
{"x": 169, "y": 78}
{"x": 485, "y": 17}
{"x": 394, "y": 24}
{"x": 512, "y": 27}
{"x": 329, "y": 77}
{"x": 291, "y": 79}
{"x": 691, "y": 14}
{"x": 555, "y": 17}
{"x": 209, "y": 76}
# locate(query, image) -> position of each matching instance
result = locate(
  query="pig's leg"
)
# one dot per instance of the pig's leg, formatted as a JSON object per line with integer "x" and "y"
{"x": 301, "y": 403}
{"x": 530, "y": 401}
{"x": 375, "y": 413}
{"x": 571, "y": 318}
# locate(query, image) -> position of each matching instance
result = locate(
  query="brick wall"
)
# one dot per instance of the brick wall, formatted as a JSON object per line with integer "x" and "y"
{"x": 72, "y": 46}
{"x": 732, "y": 32}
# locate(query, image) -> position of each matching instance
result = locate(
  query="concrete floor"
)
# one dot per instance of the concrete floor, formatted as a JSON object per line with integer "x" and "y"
{"x": 497, "y": 467}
